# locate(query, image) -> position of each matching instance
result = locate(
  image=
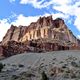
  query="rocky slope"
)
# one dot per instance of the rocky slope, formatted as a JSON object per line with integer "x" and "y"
{"x": 44, "y": 35}
{"x": 57, "y": 65}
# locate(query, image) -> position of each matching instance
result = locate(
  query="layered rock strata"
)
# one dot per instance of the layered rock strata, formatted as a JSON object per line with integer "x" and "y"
{"x": 44, "y": 35}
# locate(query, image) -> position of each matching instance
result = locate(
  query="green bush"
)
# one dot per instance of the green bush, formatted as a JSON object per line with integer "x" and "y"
{"x": 1, "y": 66}
{"x": 44, "y": 76}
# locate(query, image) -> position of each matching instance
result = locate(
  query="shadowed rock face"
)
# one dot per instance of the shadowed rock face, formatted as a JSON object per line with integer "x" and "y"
{"x": 1, "y": 51}
{"x": 13, "y": 48}
{"x": 46, "y": 33}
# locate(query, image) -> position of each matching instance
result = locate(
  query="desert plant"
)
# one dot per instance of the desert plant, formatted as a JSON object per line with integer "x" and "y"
{"x": 1, "y": 66}
{"x": 21, "y": 65}
{"x": 74, "y": 64}
{"x": 14, "y": 77}
{"x": 44, "y": 76}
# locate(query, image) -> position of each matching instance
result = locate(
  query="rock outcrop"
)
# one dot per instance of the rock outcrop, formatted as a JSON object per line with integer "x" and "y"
{"x": 14, "y": 34}
{"x": 1, "y": 51}
{"x": 44, "y": 35}
{"x": 13, "y": 48}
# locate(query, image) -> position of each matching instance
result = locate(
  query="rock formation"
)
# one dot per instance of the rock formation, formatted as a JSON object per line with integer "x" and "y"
{"x": 14, "y": 34}
{"x": 44, "y": 35}
{"x": 13, "y": 48}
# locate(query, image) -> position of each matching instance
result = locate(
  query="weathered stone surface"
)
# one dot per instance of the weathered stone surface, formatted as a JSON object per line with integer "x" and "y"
{"x": 13, "y": 47}
{"x": 14, "y": 33}
{"x": 1, "y": 50}
{"x": 9, "y": 34}
{"x": 44, "y": 35}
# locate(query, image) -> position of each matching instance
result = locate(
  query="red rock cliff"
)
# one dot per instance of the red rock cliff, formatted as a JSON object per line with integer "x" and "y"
{"x": 49, "y": 35}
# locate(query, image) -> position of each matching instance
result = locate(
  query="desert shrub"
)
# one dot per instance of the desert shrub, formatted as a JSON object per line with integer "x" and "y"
{"x": 44, "y": 76}
{"x": 27, "y": 74}
{"x": 78, "y": 75}
{"x": 74, "y": 64}
{"x": 30, "y": 75}
{"x": 65, "y": 66}
{"x": 61, "y": 62}
{"x": 21, "y": 65}
{"x": 65, "y": 75}
{"x": 1, "y": 66}
{"x": 73, "y": 76}
{"x": 14, "y": 77}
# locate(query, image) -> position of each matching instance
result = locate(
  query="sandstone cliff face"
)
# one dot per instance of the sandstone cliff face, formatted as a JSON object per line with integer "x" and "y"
{"x": 14, "y": 34}
{"x": 45, "y": 27}
{"x": 1, "y": 51}
{"x": 46, "y": 34}
{"x": 49, "y": 29}
{"x": 9, "y": 34}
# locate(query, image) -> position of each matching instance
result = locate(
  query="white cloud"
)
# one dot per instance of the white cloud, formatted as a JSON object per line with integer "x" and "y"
{"x": 27, "y": 1}
{"x": 20, "y": 20}
{"x": 77, "y": 22}
{"x": 23, "y": 20}
{"x": 43, "y": 3}
{"x": 71, "y": 10}
{"x": 66, "y": 7}
{"x": 61, "y": 2}
{"x": 36, "y": 3}
{"x": 78, "y": 36}
{"x": 60, "y": 15}
{"x": 4, "y": 26}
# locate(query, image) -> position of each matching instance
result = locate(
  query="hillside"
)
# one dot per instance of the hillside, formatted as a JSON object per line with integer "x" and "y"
{"x": 58, "y": 65}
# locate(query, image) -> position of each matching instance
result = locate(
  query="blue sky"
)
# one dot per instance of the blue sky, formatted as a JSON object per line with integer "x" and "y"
{"x": 23, "y": 12}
